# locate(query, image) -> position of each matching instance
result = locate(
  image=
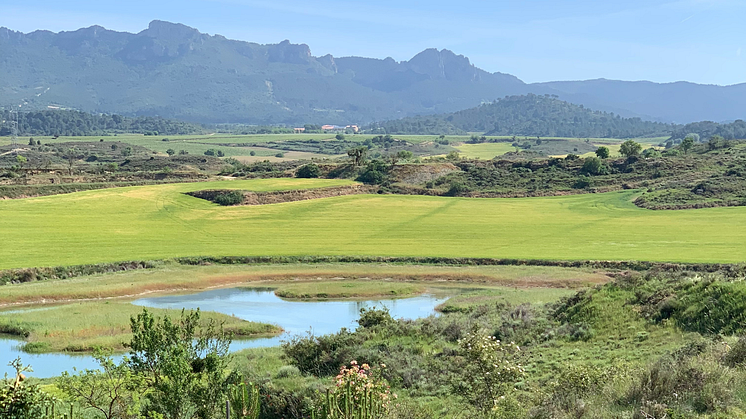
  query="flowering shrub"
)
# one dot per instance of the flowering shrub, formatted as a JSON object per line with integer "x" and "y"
{"x": 491, "y": 369}
{"x": 359, "y": 392}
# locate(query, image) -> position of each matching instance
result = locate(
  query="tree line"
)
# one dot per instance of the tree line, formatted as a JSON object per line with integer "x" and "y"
{"x": 76, "y": 123}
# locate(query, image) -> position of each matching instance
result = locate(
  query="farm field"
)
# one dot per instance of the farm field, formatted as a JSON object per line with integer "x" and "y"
{"x": 198, "y": 144}
{"x": 155, "y": 222}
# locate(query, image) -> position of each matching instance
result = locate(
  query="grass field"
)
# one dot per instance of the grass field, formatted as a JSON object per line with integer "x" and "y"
{"x": 485, "y": 151}
{"x": 153, "y": 222}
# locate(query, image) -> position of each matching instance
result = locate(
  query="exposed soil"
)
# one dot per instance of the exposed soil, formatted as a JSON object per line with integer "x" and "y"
{"x": 277, "y": 197}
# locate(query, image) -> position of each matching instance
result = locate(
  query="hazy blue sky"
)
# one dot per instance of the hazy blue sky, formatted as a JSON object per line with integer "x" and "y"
{"x": 536, "y": 40}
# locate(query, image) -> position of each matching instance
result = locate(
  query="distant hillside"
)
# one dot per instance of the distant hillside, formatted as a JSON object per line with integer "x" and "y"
{"x": 529, "y": 115}
{"x": 706, "y": 129}
{"x": 74, "y": 123}
{"x": 174, "y": 71}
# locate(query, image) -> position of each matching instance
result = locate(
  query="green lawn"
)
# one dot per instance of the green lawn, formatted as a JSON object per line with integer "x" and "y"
{"x": 486, "y": 151}
{"x": 151, "y": 222}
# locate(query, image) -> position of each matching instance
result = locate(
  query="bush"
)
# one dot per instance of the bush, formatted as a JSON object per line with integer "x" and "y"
{"x": 371, "y": 317}
{"x": 19, "y": 400}
{"x": 308, "y": 171}
{"x": 595, "y": 166}
{"x": 684, "y": 384}
{"x": 457, "y": 189}
{"x": 228, "y": 198}
{"x": 320, "y": 355}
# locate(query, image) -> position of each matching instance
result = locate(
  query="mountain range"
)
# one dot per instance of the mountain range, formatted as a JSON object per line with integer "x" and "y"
{"x": 174, "y": 71}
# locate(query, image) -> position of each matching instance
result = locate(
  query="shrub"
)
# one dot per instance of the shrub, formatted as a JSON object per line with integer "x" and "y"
{"x": 308, "y": 171}
{"x": 320, "y": 355}
{"x": 595, "y": 166}
{"x": 457, "y": 189}
{"x": 228, "y": 198}
{"x": 491, "y": 369}
{"x": 374, "y": 317}
{"x": 280, "y": 155}
{"x": 19, "y": 400}
{"x": 684, "y": 383}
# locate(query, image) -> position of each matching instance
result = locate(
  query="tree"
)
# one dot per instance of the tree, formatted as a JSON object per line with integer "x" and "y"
{"x": 113, "y": 390}
{"x": 603, "y": 152}
{"x": 340, "y": 137}
{"x": 252, "y": 153}
{"x": 31, "y": 141}
{"x": 358, "y": 155}
{"x": 170, "y": 152}
{"x": 630, "y": 148}
{"x": 594, "y": 166}
{"x": 308, "y": 171}
{"x": 184, "y": 362}
{"x": 127, "y": 151}
{"x": 71, "y": 155}
{"x": 687, "y": 144}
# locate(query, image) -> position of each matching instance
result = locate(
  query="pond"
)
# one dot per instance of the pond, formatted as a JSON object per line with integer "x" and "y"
{"x": 295, "y": 317}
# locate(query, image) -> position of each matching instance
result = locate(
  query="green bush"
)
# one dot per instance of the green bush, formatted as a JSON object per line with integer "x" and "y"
{"x": 374, "y": 317}
{"x": 308, "y": 171}
{"x": 228, "y": 198}
{"x": 595, "y": 166}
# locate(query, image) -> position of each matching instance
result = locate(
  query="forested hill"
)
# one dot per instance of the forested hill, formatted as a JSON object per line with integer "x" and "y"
{"x": 734, "y": 131}
{"x": 529, "y": 115}
{"x": 71, "y": 123}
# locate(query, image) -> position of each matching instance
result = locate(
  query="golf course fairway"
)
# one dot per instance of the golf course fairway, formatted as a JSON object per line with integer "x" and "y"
{"x": 155, "y": 222}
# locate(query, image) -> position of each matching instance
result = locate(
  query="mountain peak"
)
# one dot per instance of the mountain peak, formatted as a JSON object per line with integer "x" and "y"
{"x": 443, "y": 64}
{"x": 168, "y": 30}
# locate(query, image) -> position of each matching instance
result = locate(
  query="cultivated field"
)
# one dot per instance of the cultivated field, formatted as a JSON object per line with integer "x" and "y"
{"x": 154, "y": 222}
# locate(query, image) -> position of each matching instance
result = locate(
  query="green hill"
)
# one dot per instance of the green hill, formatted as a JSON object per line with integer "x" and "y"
{"x": 528, "y": 115}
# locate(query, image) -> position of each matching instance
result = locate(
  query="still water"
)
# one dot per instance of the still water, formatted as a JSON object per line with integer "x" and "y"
{"x": 295, "y": 317}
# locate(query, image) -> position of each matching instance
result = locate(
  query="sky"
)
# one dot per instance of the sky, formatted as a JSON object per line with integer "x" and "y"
{"x": 701, "y": 41}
